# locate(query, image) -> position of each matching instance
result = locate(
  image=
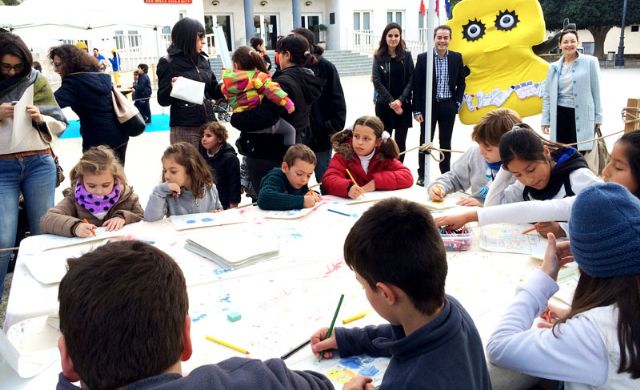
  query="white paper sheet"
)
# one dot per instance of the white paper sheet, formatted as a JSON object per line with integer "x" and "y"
{"x": 21, "y": 118}
{"x": 188, "y": 90}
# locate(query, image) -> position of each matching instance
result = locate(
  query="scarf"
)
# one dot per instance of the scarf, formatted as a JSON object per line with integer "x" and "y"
{"x": 567, "y": 160}
{"x": 13, "y": 88}
{"x": 99, "y": 206}
{"x": 489, "y": 175}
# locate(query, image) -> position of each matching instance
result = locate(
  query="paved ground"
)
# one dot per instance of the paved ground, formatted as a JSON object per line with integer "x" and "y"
{"x": 143, "y": 167}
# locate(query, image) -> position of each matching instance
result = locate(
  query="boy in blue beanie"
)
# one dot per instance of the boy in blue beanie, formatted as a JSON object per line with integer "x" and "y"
{"x": 399, "y": 259}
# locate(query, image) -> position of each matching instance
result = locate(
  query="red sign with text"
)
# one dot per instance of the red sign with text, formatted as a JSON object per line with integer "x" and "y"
{"x": 168, "y": 1}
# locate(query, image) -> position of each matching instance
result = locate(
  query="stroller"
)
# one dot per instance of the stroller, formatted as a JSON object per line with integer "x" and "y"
{"x": 222, "y": 110}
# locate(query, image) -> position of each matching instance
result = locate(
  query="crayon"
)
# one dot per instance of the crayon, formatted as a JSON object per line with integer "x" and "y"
{"x": 354, "y": 318}
{"x": 93, "y": 230}
{"x": 532, "y": 228}
{"x": 228, "y": 345}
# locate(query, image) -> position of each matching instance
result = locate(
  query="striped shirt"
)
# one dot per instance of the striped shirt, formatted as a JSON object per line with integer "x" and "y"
{"x": 442, "y": 76}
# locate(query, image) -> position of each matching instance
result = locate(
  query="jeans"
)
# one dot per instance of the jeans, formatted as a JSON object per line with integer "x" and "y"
{"x": 35, "y": 177}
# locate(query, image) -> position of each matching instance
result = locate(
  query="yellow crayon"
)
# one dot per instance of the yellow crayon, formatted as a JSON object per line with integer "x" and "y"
{"x": 218, "y": 341}
{"x": 354, "y": 318}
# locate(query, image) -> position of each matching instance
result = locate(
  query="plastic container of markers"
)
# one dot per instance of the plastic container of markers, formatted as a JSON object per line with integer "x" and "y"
{"x": 457, "y": 240}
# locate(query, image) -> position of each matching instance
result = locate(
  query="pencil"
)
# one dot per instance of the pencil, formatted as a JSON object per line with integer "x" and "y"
{"x": 224, "y": 343}
{"x": 296, "y": 349}
{"x": 532, "y": 228}
{"x": 339, "y": 212}
{"x": 351, "y": 177}
{"x": 93, "y": 232}
{"x": 354, "y": 318}
{"x": 333, "y": 321}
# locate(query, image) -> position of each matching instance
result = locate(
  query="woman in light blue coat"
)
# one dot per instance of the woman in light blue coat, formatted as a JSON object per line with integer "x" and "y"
{"x": 571, "y": 108}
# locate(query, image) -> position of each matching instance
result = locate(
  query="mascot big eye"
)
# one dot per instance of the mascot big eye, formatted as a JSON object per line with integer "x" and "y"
{"x": 496, "y": 39}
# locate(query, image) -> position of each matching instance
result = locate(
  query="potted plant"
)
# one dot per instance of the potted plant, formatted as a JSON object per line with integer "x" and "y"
{"x": 321, "y": 29}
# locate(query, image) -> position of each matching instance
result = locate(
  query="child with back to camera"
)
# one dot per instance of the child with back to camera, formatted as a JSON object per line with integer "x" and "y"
{"x": 223, "y": 163}
{"x": 478, "y": 166}
{"x": 596, "y": 344}
{"x": 543, "y": 171}
{"x": 285, "y": 188}
{"x": 431, "y": 339}
{"x": 107, "y": 344}
{"x": 99, "y": 196}
{"x": 249, "y": 82}
{"x": 370, "y": 155}
{"x": 188, "y": 186}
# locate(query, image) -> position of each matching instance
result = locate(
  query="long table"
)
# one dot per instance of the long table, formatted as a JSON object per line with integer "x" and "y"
{"x": 281, "y": 301}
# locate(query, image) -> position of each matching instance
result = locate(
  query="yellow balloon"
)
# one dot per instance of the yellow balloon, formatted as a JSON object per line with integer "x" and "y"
{"x": 496, "y": 39}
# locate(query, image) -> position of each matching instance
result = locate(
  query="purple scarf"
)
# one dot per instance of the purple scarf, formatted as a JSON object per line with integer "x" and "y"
{"x": 99, "y": 206}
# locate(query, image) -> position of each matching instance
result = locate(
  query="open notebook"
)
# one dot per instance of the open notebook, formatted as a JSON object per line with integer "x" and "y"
{"x": 226, "y": 247}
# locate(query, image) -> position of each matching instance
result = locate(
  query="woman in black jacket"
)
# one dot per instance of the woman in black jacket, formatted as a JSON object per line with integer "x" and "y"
{"x": 392, "y": 76}
{"x": 329, "y": 112}
{"x": 265, "y": 151}
{"x": 185, "y": 58}
{"x": 88, "y": 92}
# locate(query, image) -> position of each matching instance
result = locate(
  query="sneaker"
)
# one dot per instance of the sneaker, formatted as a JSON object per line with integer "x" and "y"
{"x": 420, "y": 182}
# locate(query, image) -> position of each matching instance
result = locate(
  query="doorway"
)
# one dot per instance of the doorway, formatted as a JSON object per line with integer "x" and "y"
{"x": 311, "y": 21}
{"x": 220, "y": 20}
{"x": 267, "y": 28}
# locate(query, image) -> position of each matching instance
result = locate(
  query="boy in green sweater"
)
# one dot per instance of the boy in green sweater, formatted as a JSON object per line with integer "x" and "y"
{"x": 285, "y": 188}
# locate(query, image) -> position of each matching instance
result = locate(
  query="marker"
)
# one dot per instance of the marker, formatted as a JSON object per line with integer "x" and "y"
{"x": 532, "y": 228}
{"x": 339, "y": 212}
{"x": 296, "y": 349}
{"x": 224, "y": 343}
{"x": 333, "y": 321}
{"x": 93, "y": 230}
{"x": 354, "y": 318}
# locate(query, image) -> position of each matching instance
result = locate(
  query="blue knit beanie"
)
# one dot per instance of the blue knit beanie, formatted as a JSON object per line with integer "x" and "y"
{"x": 605, "y": 231}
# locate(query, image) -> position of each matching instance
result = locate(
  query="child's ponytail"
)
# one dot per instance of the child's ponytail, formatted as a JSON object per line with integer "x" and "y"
{"x": 340, "y": 143}
{"x": 388, "y": 147}
{"x": 248, "y": 59}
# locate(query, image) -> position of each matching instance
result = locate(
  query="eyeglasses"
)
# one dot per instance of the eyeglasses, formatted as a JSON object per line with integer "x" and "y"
{"x": 7, "y": 67}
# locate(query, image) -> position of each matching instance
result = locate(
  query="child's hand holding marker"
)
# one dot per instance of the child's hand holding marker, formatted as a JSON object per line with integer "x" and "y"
{"x": 85, "y": 229}
{"x": 311, "y": 198}
{"x": 437, "y": 193}
{"x": 321, "y": 344}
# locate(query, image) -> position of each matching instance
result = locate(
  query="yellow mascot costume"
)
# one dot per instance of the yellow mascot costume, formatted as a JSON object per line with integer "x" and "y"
{"x": 495, "y": 39}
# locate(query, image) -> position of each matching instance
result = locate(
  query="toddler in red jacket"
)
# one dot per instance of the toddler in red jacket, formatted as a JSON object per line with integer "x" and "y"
{"x": 366, "y": 160}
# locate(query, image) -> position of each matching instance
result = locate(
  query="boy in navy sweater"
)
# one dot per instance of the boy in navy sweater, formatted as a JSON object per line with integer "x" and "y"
{"x": 285, "y": 188}
{"x": 399, "y": 259}
{"x": 125, "y": 324}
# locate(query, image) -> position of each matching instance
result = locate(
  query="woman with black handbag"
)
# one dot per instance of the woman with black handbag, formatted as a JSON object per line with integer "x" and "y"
{"x": 26, "y": 163}
{"x": 185, "y": 58}
{"x": 88, "y": 92}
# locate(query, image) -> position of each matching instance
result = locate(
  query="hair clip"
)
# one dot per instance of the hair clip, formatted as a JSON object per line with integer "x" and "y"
{"x": 306, "y": 53}
{"x": 385, "y": 136}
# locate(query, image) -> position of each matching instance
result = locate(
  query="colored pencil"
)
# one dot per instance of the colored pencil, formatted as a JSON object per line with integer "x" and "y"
{"x": 333, "y": 321}
{"x": 532, "y": 228}
{"x": 354, "y": 318}
{"x": 296, "y": 349}
{"x": 339, "y": 212}
{"x": 228, "y": 345}
{"x": 351, "y": 177}
{"x": 93, "y": 231}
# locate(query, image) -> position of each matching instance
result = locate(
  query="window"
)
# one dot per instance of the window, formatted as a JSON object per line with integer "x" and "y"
{"x": 134, "y": 38}
{"x": 635, "y": 28}
{"x": 362, "y": 20}
{"x": 119, "y": 39}
{"x": 394, "y": 16}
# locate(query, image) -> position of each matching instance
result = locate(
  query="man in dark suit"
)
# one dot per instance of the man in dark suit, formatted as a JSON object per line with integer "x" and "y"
{"x": 448, "y": 90}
